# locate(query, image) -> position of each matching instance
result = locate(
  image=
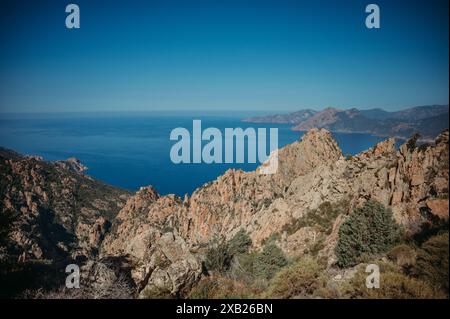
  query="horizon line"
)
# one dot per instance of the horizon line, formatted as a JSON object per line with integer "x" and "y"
{"x": 56, "y": 112}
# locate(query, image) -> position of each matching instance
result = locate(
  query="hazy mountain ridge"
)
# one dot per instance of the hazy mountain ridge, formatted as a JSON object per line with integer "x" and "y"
{"x": 292, "y": 118}
{"x": 427, "y": 120}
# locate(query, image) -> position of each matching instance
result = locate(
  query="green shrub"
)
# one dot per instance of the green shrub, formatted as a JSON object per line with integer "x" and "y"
{"x": 432, "y": 261}
{"x": 317, "y": 246}
{"x": 240, "y": 243}
{"x": 218, "y": 256}
{"x": 299, "y": 280}
{"x": 272, "y": 238}
{"x": 321, "y": 219}
{"x": 269, "y": 261}
{"x": 221, "y": 288}
{"x": 393, "y": 285}
{"x": 404, "y": 256}
{"x": 221, "y": 252}
{"x": 242, "y": 267}
{"x": 7, "y": 219}
{"x": 154, "y": 292}
{"x": 368, "y": 231}
{"x": 204, "y": 289}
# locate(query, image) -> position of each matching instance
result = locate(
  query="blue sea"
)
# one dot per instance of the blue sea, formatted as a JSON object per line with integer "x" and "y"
{"x": 130, "y": 150}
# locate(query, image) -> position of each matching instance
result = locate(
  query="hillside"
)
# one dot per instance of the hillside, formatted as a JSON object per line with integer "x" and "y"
{"x": 426, "y": 120}
{"x": 57, "y": 214}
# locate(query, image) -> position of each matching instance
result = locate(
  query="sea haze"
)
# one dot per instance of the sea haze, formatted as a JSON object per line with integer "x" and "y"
{"x": 130, "y": 150}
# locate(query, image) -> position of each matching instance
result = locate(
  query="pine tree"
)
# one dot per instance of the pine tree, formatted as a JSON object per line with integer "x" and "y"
{"x": 369, "y": 230}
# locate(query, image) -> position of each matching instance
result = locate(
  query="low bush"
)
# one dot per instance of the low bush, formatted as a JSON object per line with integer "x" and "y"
{"x": 240, "y": 243}
{"x": 432, "y": 261}
{"x": 301, "y": 279}
{"x": 321, "y": 219}
{"x": 221, "y": 288}
{"x": 403, "y": 255}
{"x": 393, "y": 285}
{"x": 221, "y": 252}
{"x": 218, "y": 256}
{"x": 269, "y": 261}
{"x": 154, "y": 292}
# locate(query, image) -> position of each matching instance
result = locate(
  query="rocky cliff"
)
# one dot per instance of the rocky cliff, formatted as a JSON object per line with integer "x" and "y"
{"x": 413, "y": 181}
{"x": 58, "y": 212}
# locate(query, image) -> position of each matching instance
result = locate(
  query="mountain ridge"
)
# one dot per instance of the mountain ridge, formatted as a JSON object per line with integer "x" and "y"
{"x": 426, "y": 120}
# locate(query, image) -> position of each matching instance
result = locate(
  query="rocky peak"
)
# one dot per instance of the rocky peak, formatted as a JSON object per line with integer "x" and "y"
{"x": 147, "y": 193}
{"x": 321, "y": 119}
{"x": 442, "y": 139}
{"x": 317, "y": 147}
{"x": 383, "y": 148}
{"x": 72, "y": 164}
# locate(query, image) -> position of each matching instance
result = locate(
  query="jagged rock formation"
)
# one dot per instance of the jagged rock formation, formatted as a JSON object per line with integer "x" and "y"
{"x": 159, "y": 241}
{"x": 59, "y": 213}
{"x": 412, "y": 181}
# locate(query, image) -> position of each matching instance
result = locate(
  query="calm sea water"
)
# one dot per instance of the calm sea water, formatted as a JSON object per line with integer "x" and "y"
{"x": 133, "y": 150}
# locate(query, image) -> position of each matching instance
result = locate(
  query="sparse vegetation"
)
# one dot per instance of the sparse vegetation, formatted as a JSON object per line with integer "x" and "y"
{"x": 218, "y": 255}
{"x": 321, "y": 219}
{"x": 240, "y": 243}
{"x": 393, "y": 285}
{"x": 432, "y": 261}
{"x": 404, "y": 256}
{"x": 221, "y": 288}
{"x": 155, "y": 293}
{"x": 411, "y": 143}
{"x": 221, "y": 252}
{"x": 269, "y": 261}
{"x": 301, "y": 279}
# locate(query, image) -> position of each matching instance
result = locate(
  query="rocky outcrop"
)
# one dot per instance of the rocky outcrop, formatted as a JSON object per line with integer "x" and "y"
{"x": 163, "y": 263}
{"x": 168, "y": 267}
{"x": 71, "y": 164}
{"x": 412, "y": 181}
{"x": 58, "y": 212}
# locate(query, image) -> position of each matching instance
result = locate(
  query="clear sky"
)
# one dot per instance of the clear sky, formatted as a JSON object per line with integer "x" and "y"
{"x": 221, "y": 55}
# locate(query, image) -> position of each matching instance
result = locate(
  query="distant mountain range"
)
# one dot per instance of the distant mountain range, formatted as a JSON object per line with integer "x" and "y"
{"x": 429, "y": 121}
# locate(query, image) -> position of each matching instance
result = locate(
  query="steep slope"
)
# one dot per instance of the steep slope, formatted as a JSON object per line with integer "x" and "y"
{"x": 59, "y": 213}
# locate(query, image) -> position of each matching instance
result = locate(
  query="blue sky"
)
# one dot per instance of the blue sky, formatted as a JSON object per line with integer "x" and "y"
{"x": 266, "y": 56}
